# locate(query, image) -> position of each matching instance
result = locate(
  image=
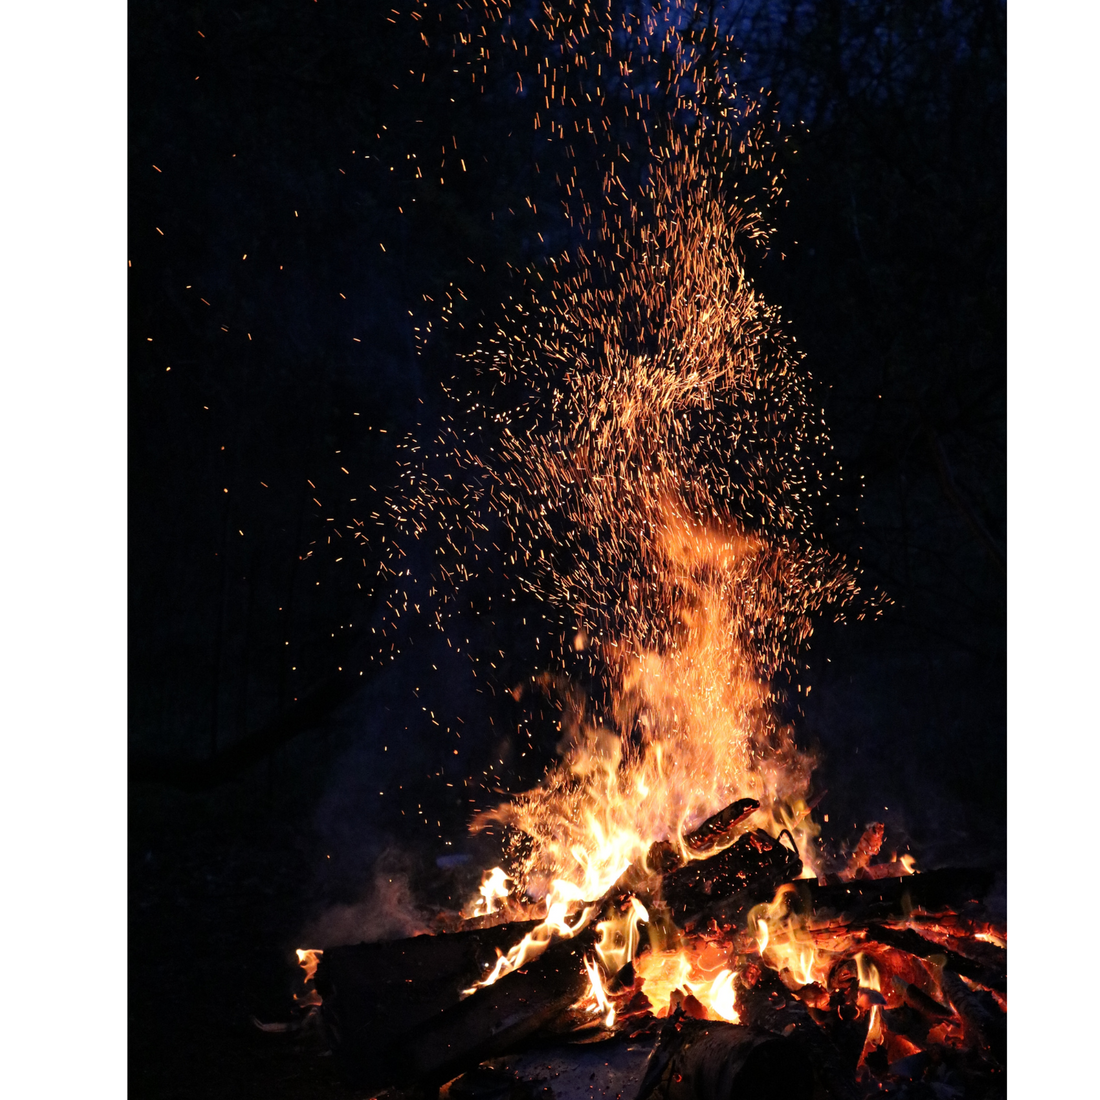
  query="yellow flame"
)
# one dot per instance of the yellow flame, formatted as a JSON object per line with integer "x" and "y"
{"x": 603, "y": 1002}
{"x": 308, "y": 958}
{"x": 560, "y": 899}
{"x": 785, "y": 942}
{"x": 618, "y": 940}
{"x": 700, "y": 969}
{"x": 761, "y": 935}
{"x": 494, "y": 887}
{"x": 869, "y": 978}
{"x": 723, "y": 996}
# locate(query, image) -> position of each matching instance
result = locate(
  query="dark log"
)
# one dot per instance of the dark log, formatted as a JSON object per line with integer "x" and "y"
{"x": 372, "y": 992}
{"x": 833, "y": 1044}
{"x": 917, "y": 999}
{"x": 497, "y": 1018}
{"x": 862, "y": 900}
{"x": 395, "y": 1011}
{"x": 704, "y": 1060}
{"x": 894, "y": 898}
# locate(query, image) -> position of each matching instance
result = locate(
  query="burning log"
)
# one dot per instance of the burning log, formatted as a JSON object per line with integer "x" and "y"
{"x": 703, "y": 1060}
{"x": 494, "y": 1019}
{"x": 383, "y": 1034}
{"x": 394, "y": 1010}
{"x": 869, "y": 845}
{"x": 832, "y": 1040}
{"x": 663, "y": 857}
{"x": 908, "y": 940}
{"x": 984, "y": 1024}
{"x": 751, "y": 867}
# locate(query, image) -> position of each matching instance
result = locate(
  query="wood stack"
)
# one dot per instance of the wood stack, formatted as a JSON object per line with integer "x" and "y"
{"x": 399, "y": 1014}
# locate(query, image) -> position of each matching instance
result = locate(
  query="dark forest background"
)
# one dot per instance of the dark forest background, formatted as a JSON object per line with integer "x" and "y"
{"x": 278, "y": 266}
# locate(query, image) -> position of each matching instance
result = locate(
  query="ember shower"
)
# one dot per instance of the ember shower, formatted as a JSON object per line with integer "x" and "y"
{"x": 644, "y": 435}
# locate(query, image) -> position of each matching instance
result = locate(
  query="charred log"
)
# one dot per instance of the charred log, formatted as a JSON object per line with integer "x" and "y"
{"x": 703, "y": 1060}
{"x": 984, "y": 1024}
{"x": 833, "y": 1043}
{"x": 869, "y": 846}
{"x": 496, "y": 1018}
{"x": 908, "y": 940}
{"x": 721, "y": 827}
{"x": 716, "y": 830}
{"x": 372, "y": 992}
{"x": 754, "y": 866}
{"x": 921, "y": 1002}
{"x": 894, "y": 898}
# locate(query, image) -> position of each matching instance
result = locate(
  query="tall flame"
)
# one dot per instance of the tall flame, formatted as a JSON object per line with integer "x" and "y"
{"x": 666, "y": 501}
{"x": 657, "y": 465}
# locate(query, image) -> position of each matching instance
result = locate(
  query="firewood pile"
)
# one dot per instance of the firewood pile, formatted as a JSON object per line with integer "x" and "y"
{"x": 875, "y": 983}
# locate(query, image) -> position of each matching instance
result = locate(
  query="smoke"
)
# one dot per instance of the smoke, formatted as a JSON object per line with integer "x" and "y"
{"x": 387, "y": 911}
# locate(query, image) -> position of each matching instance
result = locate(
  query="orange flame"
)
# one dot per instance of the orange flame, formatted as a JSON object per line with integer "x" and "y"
{"x": 785, "y": 942}
{"x": 308, "y": 958}
{"x": 561, "y": 898}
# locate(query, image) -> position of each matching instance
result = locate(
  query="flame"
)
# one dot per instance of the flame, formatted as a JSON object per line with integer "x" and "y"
{"x": 308, "y": 958}
{"x": 869, "y": 979}
{"x": 619, "y": 936}
{"x": 692, "y": 589}
{"x": 723, "y": 996}
{"x": 603, "y": 1002}
{"x": 761, "y": 935}
{"x": 707, "y": 738}
{"x": 494, "y": 887}
{"x": 786, "y": 943}
{"x": 560, "y": 900}
{"x": 700, "y": 969}
{"x": 663, "y": 496}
